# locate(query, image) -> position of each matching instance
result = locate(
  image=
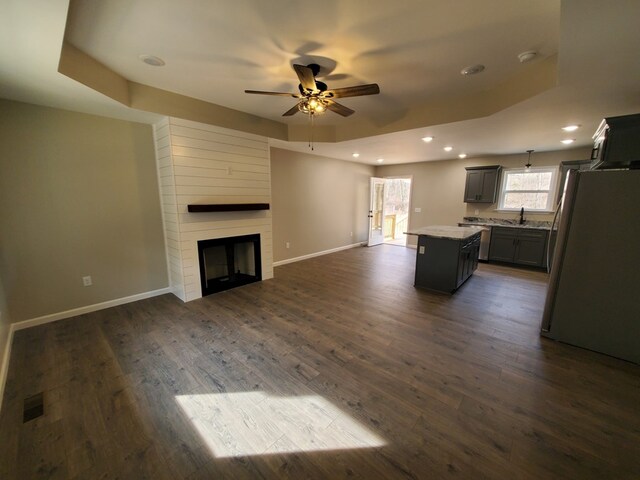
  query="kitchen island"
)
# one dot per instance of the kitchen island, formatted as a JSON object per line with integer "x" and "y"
{"x": 447, "y": 256}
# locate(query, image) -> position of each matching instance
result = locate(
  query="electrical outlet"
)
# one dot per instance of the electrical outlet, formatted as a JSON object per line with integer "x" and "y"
{"x": 86, "y": 281}
{"x": 476, "y": 212}
{"x": 287, "y": 245}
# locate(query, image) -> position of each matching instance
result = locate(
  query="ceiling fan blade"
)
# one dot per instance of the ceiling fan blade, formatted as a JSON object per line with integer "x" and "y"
{"x": 307, "y": 80}
{"x": 357, "y": 91}
{"x": 292, "y": 111}
{"x": 277, "y": 94}
{"x": 339, "y": 109}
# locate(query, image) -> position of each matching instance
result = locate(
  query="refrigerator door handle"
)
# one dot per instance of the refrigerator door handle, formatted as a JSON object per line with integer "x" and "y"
{"x": 561, "y": 239}
{"x": 553, "y": 224}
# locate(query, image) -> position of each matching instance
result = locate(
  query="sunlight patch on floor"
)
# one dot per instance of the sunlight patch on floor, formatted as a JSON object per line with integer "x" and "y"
{"x": 255, "y": 423}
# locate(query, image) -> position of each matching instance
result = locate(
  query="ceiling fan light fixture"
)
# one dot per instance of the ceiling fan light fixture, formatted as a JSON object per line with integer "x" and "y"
{"x": 313, "y": 105}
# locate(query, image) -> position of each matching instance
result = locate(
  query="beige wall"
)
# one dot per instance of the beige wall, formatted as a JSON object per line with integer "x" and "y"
{"x": 438, "y": 187}
{"x": 78, "y": 196}
{"x": 317, "y": 203}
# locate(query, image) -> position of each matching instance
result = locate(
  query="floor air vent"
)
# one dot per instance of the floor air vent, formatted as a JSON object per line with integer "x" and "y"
{"x": 33, "y": 407}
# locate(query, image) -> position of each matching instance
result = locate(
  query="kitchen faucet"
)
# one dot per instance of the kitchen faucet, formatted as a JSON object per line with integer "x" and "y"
{"x": 521, "y": 216}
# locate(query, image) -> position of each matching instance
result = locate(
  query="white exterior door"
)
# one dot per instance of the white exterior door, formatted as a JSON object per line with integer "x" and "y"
{"x": 376, "y": 212}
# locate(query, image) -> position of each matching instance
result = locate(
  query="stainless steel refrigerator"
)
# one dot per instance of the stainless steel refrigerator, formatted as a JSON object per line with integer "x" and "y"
{"x": 593, "y": 299}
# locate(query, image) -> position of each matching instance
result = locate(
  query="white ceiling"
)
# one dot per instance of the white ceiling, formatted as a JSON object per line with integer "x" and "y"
{"x": 414, "y": 49}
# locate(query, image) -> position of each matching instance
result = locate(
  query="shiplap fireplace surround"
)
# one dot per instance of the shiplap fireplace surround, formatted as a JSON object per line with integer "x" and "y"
{"x": 204, "y": 164}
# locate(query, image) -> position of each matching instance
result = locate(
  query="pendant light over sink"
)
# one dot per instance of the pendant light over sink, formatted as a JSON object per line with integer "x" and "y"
{"x": 528, "y": 164}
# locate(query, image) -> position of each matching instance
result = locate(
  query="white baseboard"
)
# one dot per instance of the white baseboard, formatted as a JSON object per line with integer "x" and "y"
{"x": 88, "y": 309}
{"x": 13, "y": 327}
{"x": 318, "y": 254}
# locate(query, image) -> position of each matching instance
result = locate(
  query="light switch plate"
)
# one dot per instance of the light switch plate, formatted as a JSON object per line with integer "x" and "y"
{"x": 421, "y": 250}
{"x": 417, "y": 209}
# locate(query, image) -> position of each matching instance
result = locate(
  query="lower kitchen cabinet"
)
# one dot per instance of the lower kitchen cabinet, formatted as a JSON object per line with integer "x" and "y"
{"x": 444, "y": 264}
{"x": 522, "y": 246}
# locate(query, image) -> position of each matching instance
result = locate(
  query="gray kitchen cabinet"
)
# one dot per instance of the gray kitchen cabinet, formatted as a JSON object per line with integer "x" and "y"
{"x": 444, "y": 264}
{"x": 522, "y": 246}
{"x": 503, "y": 244}
{"x": 482, "y": 184}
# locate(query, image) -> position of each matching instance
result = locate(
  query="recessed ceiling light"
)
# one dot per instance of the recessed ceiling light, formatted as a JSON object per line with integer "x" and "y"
{"x": 448, "y": 148}
{"x": 427, "y": 139}
{"x": 571, "y": 128}
{"x": 355, "y": 155}
{"x": 568, "y": 141}
{"x": 462, "y": 155}
{"x": 151, "y": 60}
{"x": 527, "y": 56}
{"x": 472, "y": 70}
{"x": 380, "y": 160}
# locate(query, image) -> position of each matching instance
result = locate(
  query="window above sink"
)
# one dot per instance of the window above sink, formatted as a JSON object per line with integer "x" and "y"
{"x": 531, "y": 188}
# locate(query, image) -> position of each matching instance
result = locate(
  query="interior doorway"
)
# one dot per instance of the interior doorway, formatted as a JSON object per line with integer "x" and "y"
{"x": 397, "y": 198}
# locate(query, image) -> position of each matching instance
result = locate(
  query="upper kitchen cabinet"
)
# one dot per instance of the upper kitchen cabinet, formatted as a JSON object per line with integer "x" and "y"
{"x": 482, "y": 184}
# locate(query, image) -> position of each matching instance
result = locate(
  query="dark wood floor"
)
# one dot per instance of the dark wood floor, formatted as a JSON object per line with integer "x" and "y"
{"x": 451, "y": 387}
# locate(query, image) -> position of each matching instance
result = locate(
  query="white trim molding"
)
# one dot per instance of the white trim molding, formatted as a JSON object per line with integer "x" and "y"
{"x": 318, "y": 254}
{"x": 4, "y": 367}
{"x": 34, "y": 322}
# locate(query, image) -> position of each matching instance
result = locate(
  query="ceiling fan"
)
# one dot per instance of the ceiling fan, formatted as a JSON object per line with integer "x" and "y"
{"x": 315, "y": 97}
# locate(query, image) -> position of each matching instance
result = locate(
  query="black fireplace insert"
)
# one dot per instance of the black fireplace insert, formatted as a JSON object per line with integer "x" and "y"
{"x": 229, "y": 262}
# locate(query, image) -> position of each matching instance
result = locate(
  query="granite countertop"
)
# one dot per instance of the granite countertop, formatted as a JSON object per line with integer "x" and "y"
{"x": 501, "y": 222}
{"x": 446, "y": 231}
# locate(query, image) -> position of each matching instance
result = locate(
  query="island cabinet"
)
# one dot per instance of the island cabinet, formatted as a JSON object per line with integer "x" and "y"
{"x": 444, "y": 264}
{"x": 482, "y": 184}
{"x": 523, "y": 246}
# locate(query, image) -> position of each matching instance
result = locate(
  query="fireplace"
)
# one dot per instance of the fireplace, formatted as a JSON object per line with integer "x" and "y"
{"x": 229, "y": 262}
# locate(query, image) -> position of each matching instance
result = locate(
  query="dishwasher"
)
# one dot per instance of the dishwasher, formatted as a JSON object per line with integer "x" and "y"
{"x": 485, "y": 240}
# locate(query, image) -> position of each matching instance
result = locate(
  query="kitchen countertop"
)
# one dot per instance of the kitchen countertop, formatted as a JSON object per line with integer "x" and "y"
{"x": 494, "y": 222}
{"x": 446, "y": 231}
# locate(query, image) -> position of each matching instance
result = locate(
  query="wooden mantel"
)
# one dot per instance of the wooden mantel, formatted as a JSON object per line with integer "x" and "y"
{"x": 227, "y": 207}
